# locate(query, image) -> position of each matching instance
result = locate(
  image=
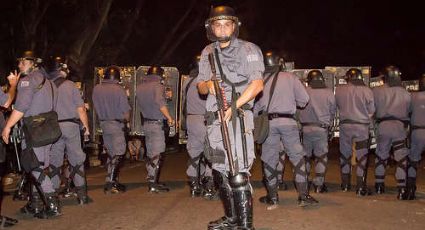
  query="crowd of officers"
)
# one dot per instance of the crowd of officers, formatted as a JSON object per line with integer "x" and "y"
{"x": 231, "y": 83}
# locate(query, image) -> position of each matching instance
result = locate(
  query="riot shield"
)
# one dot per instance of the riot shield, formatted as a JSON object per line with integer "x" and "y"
{"x": 182, "y": 130}
{"x": 171, "y": 83}
{"x": 411, "y": 85}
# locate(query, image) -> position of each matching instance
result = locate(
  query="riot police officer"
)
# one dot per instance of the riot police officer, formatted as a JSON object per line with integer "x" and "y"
{"x": 5, "y": 101}
{"x": 150, "y": 95}
{"x": 356, "y": 108}
{"x": 113, "y": 110}
{"x": 35, "y": 97}
{"x": 316, "y": 118}
{"x": 392, "y": 104}
{"x": 241, "y": 64}
{"x": 199, "y": 170}
{"x": 417, "y": 138}
{"x": 273, "y": 63}
{"x": 71, "y": 112}
{"x": 288, "y": 93}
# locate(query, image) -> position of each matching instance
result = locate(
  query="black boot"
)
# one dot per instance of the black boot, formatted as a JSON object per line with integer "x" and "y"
{"x": 283, "y": 186}
{"x": 53, "y": 208}
{"x": 242, "y": 198}
{"x": 82, "y": 197}
{"x": 195, "y": 188}
{"x": 411, "y": 188}
{"x": 228, "y": 221}
{"x": 34, "y": 205}
{"x": 209, "y": 192}
{"x": 380, "y": 188}
{"x": 320, "y": 188}
{"x": 361, "y": 188}
{"x": 155, "y": 186}
{"x": 346, "y": 182}
{"x": 6, "y": 222}
{"x": 113, "y": 186}
{"x": 402, "y": 193}
{"x": 304, "y": 198}
{"x": 272, "y": 196}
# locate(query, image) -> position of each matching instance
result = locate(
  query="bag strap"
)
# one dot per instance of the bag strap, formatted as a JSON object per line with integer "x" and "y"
{"x": 272, "y": 89}
{"x": 58, "y": 81}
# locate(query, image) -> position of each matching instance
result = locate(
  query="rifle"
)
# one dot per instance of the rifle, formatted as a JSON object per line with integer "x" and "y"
{"x": 221, "y": 111}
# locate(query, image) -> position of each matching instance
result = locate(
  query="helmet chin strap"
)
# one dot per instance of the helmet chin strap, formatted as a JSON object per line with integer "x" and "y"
{"x": 224, "y": 39}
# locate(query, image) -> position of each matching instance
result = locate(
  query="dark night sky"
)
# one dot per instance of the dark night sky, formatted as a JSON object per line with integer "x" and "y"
{"x": 314, "y": 34}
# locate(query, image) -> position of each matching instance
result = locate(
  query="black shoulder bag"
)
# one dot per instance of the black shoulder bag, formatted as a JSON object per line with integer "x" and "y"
{"x": 42, "y": 129}
{"x": 261, "y": 122}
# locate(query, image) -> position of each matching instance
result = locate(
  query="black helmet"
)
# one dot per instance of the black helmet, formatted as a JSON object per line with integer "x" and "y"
{"x": 273, "y": 62}
{"x": 392, "y": 76}
{"x": 222, "y": 13}
{"x": 315, "y": 79}
{"x": 355, "y": 76}
{"x": 30, "y": 55}
{"x": 422, "y": 83}
{"x": 156, "y": 70}
{"x": 271, "y": 59}
{"x": 56, "y": 64}
{"x": 112, "y": 73}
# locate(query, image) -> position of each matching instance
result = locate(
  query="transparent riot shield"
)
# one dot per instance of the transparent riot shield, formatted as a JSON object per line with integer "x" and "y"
{"x": 182, "y": 129}
{"x": 411, "y": 85}
{"x": 127, "y": 81}
{"x": 171, "y": 83}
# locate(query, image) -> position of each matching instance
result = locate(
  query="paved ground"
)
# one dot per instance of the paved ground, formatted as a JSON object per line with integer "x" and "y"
{"x": 138, "y": 209}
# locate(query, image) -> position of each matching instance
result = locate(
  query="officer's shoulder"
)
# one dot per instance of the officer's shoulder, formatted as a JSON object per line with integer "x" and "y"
{"x": 208, "y": 49}
{"x": 249, "y": 46}
{"x": 286, "y": 74}
{"x": 36, "y": 77}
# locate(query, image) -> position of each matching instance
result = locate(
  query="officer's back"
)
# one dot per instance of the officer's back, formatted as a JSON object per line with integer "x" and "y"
{"x": 355, "y": 102}
{"x": 109, "y": 98}
{"x": 150, "y": 97}
{"x": 392, "y": 102}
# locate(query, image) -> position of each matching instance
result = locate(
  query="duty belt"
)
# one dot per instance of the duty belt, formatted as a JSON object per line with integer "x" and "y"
{"x": 379, "y": 120}
{"x": 118, "y": 120}
{"x": 320, "y": 125}
{"x": 74, "y": 120}
{"x": 152, "y": 120}
{"x": 418, "y": 127}
{"x": 349, "y": 121}
{"x": 281, "y": 115}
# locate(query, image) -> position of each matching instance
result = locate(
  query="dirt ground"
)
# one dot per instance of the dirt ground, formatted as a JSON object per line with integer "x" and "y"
{"x": 138, "y": 209}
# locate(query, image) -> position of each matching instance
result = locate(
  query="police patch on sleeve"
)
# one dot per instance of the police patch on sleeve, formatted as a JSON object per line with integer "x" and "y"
{"x": 25, "y": 83}
{"x": 252, "y": 57}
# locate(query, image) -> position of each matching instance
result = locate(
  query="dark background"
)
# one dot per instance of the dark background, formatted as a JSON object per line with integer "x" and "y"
{"x": 314, "y": 34}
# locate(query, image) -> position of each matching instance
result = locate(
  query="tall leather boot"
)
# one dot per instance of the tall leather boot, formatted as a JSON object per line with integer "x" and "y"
{"x": 35, "y": 204}
{"x": 242, "y": 198}
{"x": 228, "y": 221}
{"x": 209, "y": 192}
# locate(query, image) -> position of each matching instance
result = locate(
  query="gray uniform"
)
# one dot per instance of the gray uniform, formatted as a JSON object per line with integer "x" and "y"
{"x": 196, "y": 129}
{"x": 242, "y": 62}
{"x": 32, "y": 101}
{"x": 3, "y": 99}
{"x": 392, "y": 114}
{"x": 69, "y": 99}
{"x": 356, "y": 107}
{"x": 315, "y": 119}
{"x": 150, "y": 98}
{"x": 288, "y": 94}
{"x": 111, "y": 104}
{"x": 417, "y": 138}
